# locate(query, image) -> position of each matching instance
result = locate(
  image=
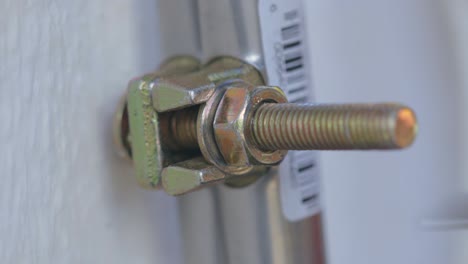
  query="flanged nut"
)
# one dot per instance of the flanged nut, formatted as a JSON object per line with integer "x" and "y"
{"x": 231, "y": 124}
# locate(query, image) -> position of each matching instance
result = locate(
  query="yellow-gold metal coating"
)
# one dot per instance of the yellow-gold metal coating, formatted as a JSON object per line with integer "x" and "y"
{"x": 137, "y": 128}
{"x": 189, "y": 126}
{"x": 333, "y": 127}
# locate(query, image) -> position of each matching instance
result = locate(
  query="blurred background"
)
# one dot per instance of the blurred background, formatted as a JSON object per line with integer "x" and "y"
{"x": 65, "y": 197}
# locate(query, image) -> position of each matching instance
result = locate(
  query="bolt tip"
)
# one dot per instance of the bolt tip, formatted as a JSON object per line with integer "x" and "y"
{"x": 406, "y": 127}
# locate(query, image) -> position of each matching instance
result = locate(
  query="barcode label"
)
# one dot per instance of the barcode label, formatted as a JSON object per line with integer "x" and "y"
{"x": 287, "y": 66}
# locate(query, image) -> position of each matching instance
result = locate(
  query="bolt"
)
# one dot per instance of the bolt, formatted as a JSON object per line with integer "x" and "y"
{"x": 319, "y": 127}
{"x": 333, "y": 127}
{"x": 179, "y": 128}
{"x": 190, "y": 125}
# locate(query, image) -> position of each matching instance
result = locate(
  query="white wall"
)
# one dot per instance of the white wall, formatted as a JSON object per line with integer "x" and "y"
{"x": 383, "y": 207}
{"x": 66, "y": 198}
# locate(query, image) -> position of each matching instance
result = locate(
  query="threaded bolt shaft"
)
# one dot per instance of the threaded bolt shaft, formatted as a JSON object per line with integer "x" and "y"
{"x": 181, "y": 130}
{"x": 333, "y": 127}
{"x": 314, "y": 127}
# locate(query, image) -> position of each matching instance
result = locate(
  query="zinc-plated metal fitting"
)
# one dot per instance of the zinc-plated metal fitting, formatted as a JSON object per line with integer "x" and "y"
{"x": 224, "y": 124}
{"x": 193, "y": 125}
{"x": 329, "y": 126}
{"x": 190, "y": 175}
{"x": 137, "y": 129}
{"x": 232, "y": 124}
{"x": 156, "y": 121}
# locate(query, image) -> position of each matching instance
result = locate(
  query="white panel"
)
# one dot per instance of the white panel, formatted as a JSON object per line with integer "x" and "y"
{"x": 65, "y": 197}
{"x": 377, "y": 203}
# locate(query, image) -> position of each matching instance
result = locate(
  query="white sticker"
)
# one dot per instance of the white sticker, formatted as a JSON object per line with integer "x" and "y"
{"x": 287, "y": 65}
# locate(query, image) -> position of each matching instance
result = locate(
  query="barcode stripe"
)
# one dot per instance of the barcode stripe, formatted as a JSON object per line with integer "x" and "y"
{"x": 291, "y": 45}
{"x": 293, "y": 59}
{"x": 293, "y": 68}
{"x": 306, "y": 167}
{"x": 309, "y": 198}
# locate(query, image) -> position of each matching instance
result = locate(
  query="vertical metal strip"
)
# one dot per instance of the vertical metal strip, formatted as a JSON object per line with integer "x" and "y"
{"x": 223, "y": 224}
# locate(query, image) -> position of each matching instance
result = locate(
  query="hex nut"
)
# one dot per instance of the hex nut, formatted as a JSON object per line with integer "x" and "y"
{"x": 206, "y": 132}
{"x": 232, "y": 123}
{"x": 229, "y": 125}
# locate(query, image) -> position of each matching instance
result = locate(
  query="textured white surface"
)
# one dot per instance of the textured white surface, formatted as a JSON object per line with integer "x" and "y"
{"x": 64, "y": 196}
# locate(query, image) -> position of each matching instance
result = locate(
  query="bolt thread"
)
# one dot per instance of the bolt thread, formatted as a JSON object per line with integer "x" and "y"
{"x": 183, "y": 129}
{"x": 332, "y": 127}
